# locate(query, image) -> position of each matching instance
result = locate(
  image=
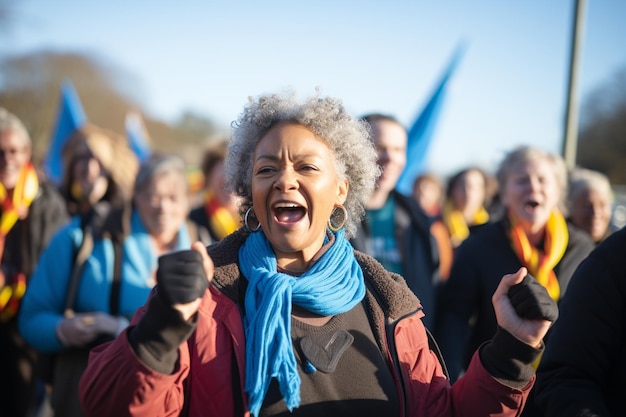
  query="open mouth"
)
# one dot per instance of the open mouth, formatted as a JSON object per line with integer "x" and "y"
{"x": 288, "y": 212}
{"x": 531, "y": 205}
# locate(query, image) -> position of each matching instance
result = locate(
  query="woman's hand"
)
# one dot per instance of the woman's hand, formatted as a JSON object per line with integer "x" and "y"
{"x": 183, "y": 277}
{"x": 539, "y": 311}
{"x": 84, "y": 328}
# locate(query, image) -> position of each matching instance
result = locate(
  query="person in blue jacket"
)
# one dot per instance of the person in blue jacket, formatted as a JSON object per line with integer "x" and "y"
{"x": 156, "y": 224}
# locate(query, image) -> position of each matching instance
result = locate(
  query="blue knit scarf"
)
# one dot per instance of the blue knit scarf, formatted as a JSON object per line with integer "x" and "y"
{"x": 333, "y": 285}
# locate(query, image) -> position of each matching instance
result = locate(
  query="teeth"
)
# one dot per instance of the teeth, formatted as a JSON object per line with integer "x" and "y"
{"x": 286, "y": 206}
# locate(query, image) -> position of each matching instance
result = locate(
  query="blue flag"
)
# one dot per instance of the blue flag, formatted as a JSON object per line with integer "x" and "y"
{"x": 421, "y": 132}
{"x": 137, "y": 136}
{"x": 70, "y": 117}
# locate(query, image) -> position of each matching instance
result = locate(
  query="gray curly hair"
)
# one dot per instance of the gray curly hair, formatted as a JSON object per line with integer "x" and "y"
{"x": 347, "y": 137}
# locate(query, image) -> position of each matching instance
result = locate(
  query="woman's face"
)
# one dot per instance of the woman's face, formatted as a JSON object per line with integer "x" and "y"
{"x": 14, "y": 154}
{"x": 591, "y": 211}
{"x": 216, "y": 182}
{"x": 295, "y": 187}
{"x": 89, "y": 178}
{"x": 163, "y": 206}
{"x": 531, "y": 192}
{"x": 427, "y": 193}
{"x": 469, "y": 192}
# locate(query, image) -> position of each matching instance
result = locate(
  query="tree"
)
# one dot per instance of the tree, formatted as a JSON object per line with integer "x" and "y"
{"x": 30, "y": 88}
{"x": 602, "y": 139}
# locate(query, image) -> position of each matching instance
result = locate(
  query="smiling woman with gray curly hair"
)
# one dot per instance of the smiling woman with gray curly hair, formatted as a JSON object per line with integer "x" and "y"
{"x": 296, "y": 321}
{"x": 348, "y": 139}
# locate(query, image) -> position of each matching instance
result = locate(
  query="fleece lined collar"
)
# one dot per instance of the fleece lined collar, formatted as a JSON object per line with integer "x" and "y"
{"x": 388, "y": 290}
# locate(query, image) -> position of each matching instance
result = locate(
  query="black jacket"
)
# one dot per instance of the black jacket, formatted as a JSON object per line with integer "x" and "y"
{"x": 582, "y": 370}
{"x": 418, "y": 249}
{"x": 29, "y": 236}
{"x": 466, "y": 313}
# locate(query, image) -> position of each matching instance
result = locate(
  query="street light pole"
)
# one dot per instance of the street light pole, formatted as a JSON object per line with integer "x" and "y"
{"x": 570, "y": 140}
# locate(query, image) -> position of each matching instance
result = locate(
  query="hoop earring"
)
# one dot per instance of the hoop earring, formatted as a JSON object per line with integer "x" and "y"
{"x": 245, "y": 221}
{"x": 338, "y": 218}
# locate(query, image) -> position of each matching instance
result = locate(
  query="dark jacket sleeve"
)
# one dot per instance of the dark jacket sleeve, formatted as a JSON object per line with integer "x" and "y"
{"x": 582, "y": 371}
{"x": 157, "y": 336}
{"x": 459, "y": 298}
{"x": 46, "y": 216}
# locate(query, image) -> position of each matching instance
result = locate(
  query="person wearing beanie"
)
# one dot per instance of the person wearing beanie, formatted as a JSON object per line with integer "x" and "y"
{"x": 98, "y": 165}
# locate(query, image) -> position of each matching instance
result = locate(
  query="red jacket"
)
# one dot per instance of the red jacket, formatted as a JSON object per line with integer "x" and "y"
{"x": 116, "y": 383}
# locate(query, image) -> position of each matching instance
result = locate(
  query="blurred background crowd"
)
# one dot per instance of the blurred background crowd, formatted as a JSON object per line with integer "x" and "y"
{"x": 93, "y": 186}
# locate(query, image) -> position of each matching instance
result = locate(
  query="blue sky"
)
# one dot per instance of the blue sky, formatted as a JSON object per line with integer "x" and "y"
{"x": 509, "y": 88}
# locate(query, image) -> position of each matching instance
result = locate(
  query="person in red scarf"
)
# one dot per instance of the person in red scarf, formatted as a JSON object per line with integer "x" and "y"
{"x": 219, "y": 210}
{"x": 532, "y": 232}
{"x": 31, "y": 210}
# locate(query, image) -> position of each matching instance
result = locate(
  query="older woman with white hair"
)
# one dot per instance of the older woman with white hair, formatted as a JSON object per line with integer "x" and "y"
{"x": 532, "y": 233}
{"x": 590, "y": 202}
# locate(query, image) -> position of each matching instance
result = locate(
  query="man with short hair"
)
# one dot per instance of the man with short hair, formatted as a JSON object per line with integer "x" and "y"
{"x": 396, "y": 231}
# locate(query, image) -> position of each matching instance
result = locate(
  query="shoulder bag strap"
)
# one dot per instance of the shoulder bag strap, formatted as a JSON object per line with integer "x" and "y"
{"x": 84, "y": 250}
{"x": 114, "y": 301}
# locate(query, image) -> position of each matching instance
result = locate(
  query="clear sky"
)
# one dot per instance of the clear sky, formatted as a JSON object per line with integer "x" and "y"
{"x": 384, "y": 56}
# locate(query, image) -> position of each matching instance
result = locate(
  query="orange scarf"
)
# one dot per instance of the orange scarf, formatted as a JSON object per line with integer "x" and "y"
{"x": 14, "y": 208}
{"x": 440, "y": 233}
{"x": 24, "y": 193}
{"x": 221, "y": 220}
{"x": 456, "y": 224}
{"x": 541, "y": 263}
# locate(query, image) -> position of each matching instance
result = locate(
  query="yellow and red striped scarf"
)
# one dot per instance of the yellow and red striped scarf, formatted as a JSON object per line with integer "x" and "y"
{"x": 13, "y": 207}
{"x": 456, "y": 224}
{"x": 221, "y": 220}
{"x": 541, "y": 263}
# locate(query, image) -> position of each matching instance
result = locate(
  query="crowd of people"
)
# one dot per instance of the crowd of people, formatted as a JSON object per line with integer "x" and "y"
{"x": 302, "y": 282}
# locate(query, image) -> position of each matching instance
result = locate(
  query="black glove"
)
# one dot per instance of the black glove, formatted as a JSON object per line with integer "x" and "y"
{"x": 181, "y": 277}
{"x": 532, "y": 301}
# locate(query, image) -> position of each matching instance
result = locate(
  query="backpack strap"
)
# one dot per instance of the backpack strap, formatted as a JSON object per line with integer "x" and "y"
{"x": 104, "y": 222}
{"x": 115, "y": 228}
{"x": 88, "y": 223}
{"x": 114, "y": 300}
{"x": 84, "y": 250}
{"x": 198, "y": 232}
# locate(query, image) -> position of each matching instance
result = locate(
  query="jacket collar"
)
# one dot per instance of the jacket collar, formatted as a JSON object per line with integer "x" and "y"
{"x": 389, "y": 290}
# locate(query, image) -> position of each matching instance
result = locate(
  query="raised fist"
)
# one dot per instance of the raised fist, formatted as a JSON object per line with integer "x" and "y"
{"x": 532, "y": 301}
{"x": 181, "y": 277}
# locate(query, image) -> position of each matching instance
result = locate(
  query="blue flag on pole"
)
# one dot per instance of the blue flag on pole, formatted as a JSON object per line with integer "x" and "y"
{"x": 421, "y": 132}
{"x": 70, "y": 117}
{"x": 137, "y": 136}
